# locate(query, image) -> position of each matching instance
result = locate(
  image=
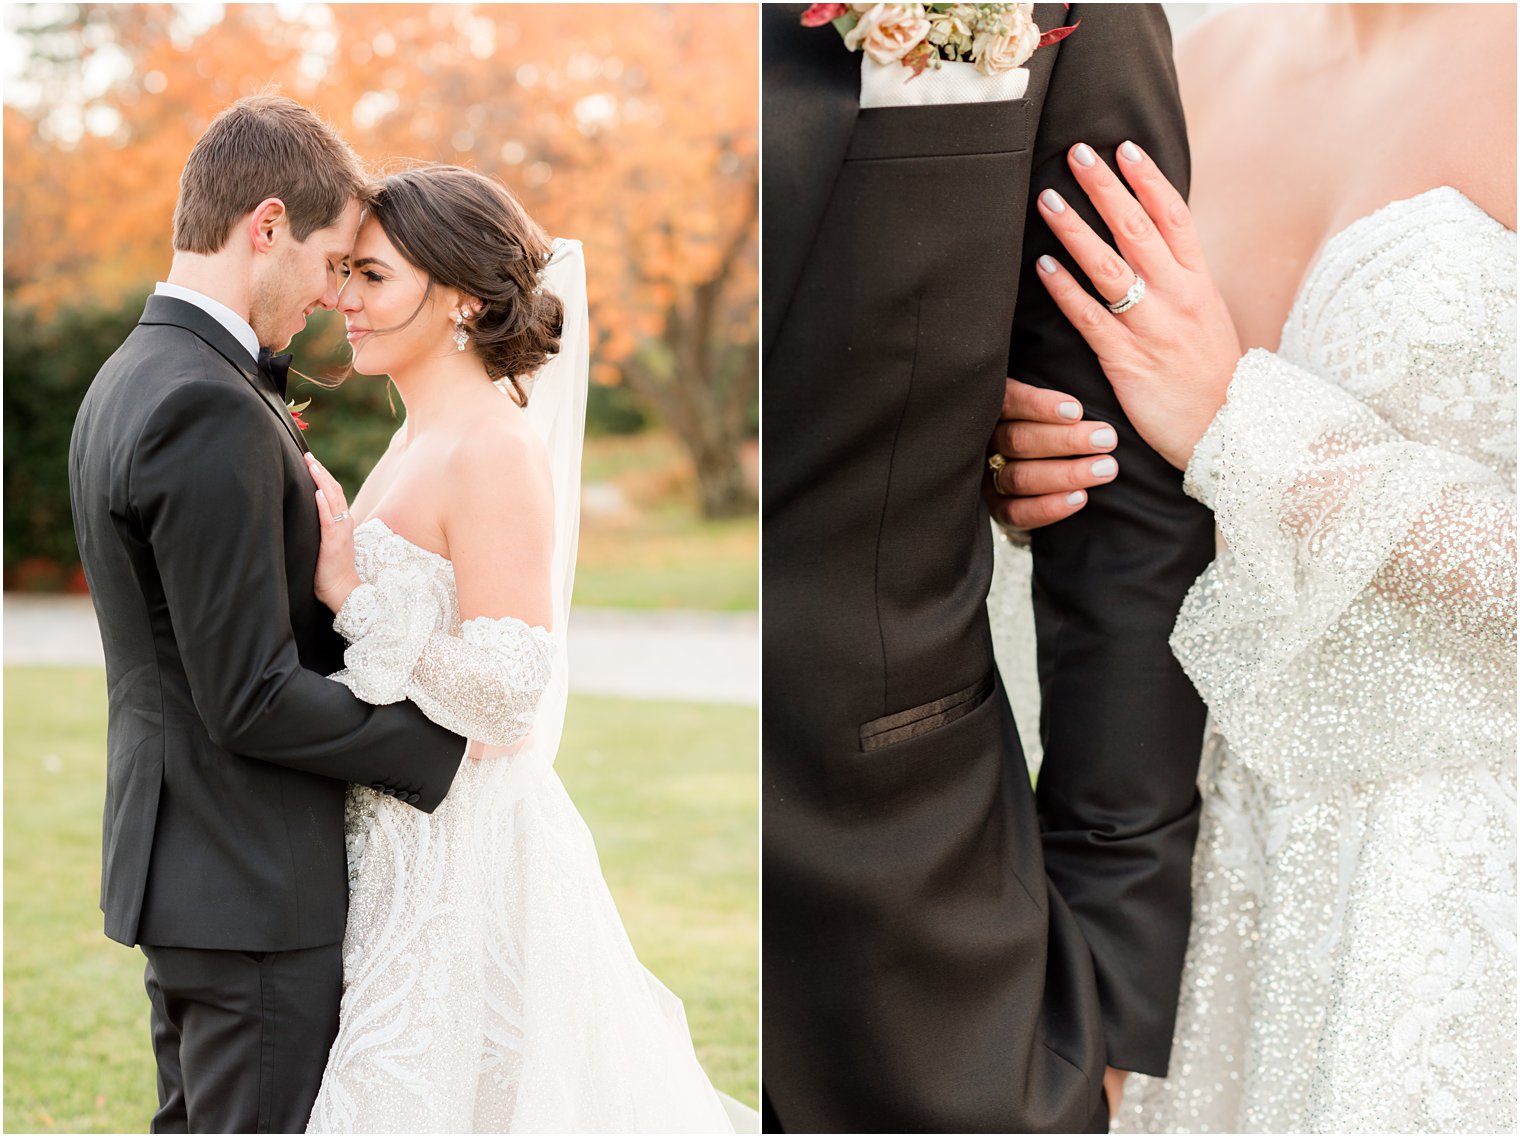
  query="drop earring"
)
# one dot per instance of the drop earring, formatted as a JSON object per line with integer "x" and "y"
{"x": 461, "y": 337}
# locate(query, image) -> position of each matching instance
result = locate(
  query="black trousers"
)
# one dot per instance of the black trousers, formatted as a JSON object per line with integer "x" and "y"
{"x": 241, "y": 1038}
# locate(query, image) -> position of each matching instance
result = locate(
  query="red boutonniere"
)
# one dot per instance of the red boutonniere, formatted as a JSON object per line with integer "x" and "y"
{"x": 295, "y": 413}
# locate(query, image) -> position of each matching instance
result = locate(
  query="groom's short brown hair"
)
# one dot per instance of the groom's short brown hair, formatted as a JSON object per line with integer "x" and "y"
{"x": 264, "y": 146}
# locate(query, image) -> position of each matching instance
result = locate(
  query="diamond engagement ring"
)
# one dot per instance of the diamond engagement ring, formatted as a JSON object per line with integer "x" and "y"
{"x": 1135, "y": 294}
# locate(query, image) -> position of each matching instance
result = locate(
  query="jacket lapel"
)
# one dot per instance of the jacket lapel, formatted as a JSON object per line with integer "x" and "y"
{"x": 1047, "y": 17}
{"x": 179, "y": 313}
{"x": 811, "y": 96}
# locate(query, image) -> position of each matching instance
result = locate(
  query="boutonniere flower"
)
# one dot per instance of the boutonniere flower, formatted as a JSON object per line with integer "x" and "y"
{"x": 295, "y": 410}
{"x": 994, "y": 37}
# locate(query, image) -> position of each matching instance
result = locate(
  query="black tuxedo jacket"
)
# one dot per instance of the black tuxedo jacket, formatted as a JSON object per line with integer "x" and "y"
{"x": 228, "y": 749}
{"x": 942, "y": 949}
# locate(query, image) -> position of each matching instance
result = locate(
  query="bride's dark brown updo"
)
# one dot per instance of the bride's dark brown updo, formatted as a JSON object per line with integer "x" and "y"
{"x": 467, "y": 231}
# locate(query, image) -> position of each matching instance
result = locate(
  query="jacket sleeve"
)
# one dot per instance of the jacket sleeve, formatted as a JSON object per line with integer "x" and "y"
{"x": 1120, "y": 723}
{"x": 208, "y": 496}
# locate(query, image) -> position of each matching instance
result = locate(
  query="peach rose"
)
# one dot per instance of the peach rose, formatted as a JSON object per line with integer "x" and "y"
{"x": 889, "y": 31}
{"x": 995, "y": 54}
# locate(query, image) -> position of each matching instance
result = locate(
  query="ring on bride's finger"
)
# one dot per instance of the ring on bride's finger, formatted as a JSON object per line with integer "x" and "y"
{"x": 996, "y": 462}
{"x": 341, "y": 516}
{"x": 1135, "y": 294}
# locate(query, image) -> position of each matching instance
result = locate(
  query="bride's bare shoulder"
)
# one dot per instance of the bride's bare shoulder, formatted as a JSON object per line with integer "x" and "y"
{"x": 1484, "y": 117}
{"x": 499, "y": 458}
{"x": 1209, "y": 52}
{"x": 1225, "y": 62}
{"x": 504, "y": 443}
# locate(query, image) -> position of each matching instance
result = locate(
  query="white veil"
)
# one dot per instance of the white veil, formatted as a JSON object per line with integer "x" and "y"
{"x": 557, "y": 410}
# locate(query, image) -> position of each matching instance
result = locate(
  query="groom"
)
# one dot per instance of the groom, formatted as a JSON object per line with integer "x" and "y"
{"x": 945, "y": 950}
{"x": 228, "y": 751}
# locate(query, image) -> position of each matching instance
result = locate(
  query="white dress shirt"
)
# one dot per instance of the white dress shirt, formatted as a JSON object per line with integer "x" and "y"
{"x": 218, "y": 311}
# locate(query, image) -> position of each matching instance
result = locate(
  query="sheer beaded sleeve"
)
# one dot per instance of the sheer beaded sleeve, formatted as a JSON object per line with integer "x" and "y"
{"x": 1319, "y": 497}
{"x": 484, "y": 682}
{"x": 1349, "y": 542}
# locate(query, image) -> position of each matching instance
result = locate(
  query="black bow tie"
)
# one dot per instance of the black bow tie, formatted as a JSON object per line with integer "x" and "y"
{"x": 275, "y": 368}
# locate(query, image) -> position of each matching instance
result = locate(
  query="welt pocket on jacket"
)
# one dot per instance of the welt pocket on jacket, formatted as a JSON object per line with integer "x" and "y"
{"x": 942, "y": 131}
{"x": 915, "y": 722}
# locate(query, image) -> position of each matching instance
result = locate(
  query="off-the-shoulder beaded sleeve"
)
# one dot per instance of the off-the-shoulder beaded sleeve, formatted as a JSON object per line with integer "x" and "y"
{"x": 482, "y": 679}
{"x": 1362, "y": 620}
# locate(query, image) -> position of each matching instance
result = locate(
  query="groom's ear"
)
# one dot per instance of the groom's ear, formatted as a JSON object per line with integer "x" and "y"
{"x": 268, "y": 224}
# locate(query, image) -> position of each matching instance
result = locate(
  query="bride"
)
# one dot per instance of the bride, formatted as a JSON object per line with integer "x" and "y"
{"x": 1352, "y": 959}
{"x": 489, "y": 985}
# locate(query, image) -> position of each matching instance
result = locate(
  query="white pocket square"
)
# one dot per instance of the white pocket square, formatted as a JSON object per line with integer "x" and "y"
{"x": 893, "y": 85}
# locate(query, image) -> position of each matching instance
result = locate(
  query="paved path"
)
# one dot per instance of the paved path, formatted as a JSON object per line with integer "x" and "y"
{"x": 704, "y": 657}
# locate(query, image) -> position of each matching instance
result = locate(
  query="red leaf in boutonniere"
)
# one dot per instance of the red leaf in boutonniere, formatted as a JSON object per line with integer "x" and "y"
{"x": 1056, "y": 35}
{"x": 295, "y": 413}
{"x": 919, "y": 59}
{"x": 819, "y": 14}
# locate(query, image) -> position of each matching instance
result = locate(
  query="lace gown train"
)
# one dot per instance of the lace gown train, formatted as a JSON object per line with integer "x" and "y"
{"x": 489, "y": 985}
{"x": 1351, "y": 965}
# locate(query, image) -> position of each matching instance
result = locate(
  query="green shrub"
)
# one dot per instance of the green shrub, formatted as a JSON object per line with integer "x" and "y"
{"x": 49, "y": 365}
{"x": 614, "y": 410}
{"x": 48, "y": 368}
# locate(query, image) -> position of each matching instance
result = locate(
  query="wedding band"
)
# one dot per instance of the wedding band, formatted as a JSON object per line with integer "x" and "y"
{"x": 1135, "y": 294}
{"x": 341, "y": 516}
{"x": 996, "y": 462}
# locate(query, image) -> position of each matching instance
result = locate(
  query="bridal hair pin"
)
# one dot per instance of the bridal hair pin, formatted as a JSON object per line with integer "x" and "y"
{"x": 539, "y": 276}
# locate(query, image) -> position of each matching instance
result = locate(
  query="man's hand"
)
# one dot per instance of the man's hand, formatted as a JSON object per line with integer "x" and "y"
{"x": 1051, "y": 457}
{"x": 485, "y": 751}
{"x": 1113, "y": 1087}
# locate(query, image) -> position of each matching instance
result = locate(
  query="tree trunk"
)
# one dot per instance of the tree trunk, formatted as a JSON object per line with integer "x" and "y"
{"x": 700, "y": 382}
{"x": 721, "y": 485}
{"x": 704, "y": 418}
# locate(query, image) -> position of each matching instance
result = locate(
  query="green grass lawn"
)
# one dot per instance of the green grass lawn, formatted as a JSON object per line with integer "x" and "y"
{"x": 670, "y": 791}
{"x": 658, "y": 552}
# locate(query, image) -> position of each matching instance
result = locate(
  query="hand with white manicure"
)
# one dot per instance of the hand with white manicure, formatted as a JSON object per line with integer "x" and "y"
{"x": 1051, "y": 457}
{"x": 1170, "y": 356}
{"x": 336, "y": 574}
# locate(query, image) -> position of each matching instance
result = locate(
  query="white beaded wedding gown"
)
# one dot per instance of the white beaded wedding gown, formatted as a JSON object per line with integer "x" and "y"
{"x": 489, "y": 985}
{"x": 1351, "y": 965}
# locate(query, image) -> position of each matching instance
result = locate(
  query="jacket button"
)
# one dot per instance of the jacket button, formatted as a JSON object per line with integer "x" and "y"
{"x": 378, "y": 787}
{"x": 413, "y": 799}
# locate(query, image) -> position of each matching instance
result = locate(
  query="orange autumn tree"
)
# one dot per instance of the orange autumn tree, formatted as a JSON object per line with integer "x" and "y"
{"x": 631, "y": 127}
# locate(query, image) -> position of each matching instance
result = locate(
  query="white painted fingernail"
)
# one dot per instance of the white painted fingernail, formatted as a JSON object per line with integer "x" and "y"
{"x": 1104, "y": 467}
{"x": 1076, "y": 498}
{"x": 1068, "y": 410}
{"x": 1083, "y": 154}
{"x": 1052, "y": 201}
{"x": 1130, "y": 152}
{"x": 321, "y": 495}
{"x": 1103, "y": 437}
{"x": 1047, "y": 264}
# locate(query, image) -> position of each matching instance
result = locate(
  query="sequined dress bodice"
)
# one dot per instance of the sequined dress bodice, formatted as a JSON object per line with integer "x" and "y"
{"x": 1352, "y": 959}
{"x": 1351, "y": 963}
